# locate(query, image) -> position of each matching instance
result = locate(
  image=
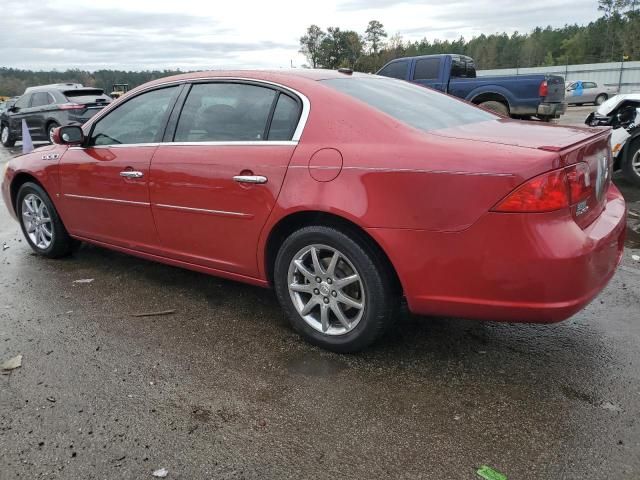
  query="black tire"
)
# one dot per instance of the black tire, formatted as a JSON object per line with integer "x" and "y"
{"x": 495, "y": 106}
{"x": 8, "y": 139}
{"x": 61, "y": 244}
{"x": 600, "y": 99}
{"x": 380, "y": 302}
{"x": 631, "y": 155}
{"x": 50, "y": 128}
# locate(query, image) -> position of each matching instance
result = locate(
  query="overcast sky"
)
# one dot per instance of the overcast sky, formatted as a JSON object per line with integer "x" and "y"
{"x": 203, "y": 34}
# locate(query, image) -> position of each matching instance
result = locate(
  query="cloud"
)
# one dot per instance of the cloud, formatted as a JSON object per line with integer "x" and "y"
{"x": 92, "y": 37}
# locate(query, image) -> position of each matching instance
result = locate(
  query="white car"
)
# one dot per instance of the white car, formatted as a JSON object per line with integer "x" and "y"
{"x": 622, "y": 113}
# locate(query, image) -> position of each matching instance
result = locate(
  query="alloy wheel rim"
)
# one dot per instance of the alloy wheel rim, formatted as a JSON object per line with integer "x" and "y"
{"x": 635, "y": 162}
{"x": 37, "y": 221}
{"x": 51, "y": 129}
{"x": 5, "y": 135}
{"x": 326, "y": 289}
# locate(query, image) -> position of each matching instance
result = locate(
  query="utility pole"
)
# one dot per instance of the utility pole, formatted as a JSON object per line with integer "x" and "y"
{"x": 624, "y": 57}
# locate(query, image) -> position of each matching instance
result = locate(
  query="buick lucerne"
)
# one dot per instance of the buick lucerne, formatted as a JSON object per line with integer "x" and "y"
{"x": 345, "y": 192}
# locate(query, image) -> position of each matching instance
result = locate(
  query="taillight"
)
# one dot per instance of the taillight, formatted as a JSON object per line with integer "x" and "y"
{"x": 71, "y": 106}
{"x": 543, "y": 91}
{"x": 579, "y": 181}
{"x": 550, "y": 191}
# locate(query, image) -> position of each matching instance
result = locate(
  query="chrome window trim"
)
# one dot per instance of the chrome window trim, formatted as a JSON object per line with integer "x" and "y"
{"x": 262, "y": 143}
{"x": 111, "y": 200}
{"x": 297, "y": 134}
{"x": 203, "y": 210}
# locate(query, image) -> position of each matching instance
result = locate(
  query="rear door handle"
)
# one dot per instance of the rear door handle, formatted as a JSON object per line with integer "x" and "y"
{"x": 131, "y": 174}
{"x": 250, "y": 179}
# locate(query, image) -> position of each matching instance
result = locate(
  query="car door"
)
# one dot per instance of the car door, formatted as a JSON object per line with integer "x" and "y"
{"x": 214, "y": 185}
{"x": 40, "y": 105}
{"x": 105, "y": 183}
{"x": 590, "y": 92}
{"x": 426, "y": 71}
{"x": 21, "y": 110}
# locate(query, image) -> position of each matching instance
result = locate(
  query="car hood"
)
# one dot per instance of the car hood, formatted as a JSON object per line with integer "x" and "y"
{"x": 610, "y": 105}
{"x": 525, "y": 134}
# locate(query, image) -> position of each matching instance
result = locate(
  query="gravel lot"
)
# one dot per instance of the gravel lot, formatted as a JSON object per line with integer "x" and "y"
{"x": 223, "y": 388}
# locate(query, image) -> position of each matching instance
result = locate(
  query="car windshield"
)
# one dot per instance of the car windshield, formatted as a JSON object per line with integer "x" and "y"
{"x": 417, "y": 106}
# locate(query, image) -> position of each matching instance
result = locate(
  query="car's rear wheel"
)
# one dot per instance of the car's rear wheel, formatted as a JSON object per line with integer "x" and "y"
{"x": 631, "y": 163}
{"x": 600, "y": 99}
{"x": 50, "y": 128}
{"x": 496, "y": 106}
{"x": 334, "y": 289}
{"x": 41, "y": 224}
{"x": 6, "y": 138}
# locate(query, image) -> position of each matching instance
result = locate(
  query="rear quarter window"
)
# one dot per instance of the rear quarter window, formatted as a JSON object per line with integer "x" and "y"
{"x": 413, "y": 105}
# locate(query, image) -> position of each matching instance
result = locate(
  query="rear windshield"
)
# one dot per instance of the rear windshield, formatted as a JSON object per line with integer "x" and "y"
{"x": 414, "y": 105}
{"x": 86, "y": 95}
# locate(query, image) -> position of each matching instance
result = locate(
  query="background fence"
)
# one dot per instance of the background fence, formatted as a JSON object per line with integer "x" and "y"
{"x": 625, "y": 75}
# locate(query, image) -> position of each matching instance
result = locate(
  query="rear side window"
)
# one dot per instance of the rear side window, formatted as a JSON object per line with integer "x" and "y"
{"x": 41, "y": 99}
{"x": 86, "y": 95}
{"x": 414, "y": 105}
{"x": 285, "y": 118}
{"x": 225, "y": 112}
{"x": 427, "y": 69}
{"x": 395, "y": 70}
{"x": 589, "y": 85}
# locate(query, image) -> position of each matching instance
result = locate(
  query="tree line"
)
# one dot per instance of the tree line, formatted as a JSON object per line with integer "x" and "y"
{"x": 612, "y": 37}
{"x": 616, "y": 34}
{"x": 14, "y": 81}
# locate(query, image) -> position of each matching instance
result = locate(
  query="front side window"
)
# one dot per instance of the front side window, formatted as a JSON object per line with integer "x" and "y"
{"x": 139, "y": 120}
{"x": 23, "y": 101}
{"x": 225, "y": 112}
{"x": 411, "y": 104}
{"x": 395, "y": 70}
{"x": 427, "y": 69}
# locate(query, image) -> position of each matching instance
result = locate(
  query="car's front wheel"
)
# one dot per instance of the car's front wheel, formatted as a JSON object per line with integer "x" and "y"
{"x": 6, "y": 138}
{"x": 41, "y": 224}
{"x": 631, "y": 162}
{"x": 50, "y": 128}
{"x": 335, "y": 289}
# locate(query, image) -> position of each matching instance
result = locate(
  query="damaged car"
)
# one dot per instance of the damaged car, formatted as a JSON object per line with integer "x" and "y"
{"x": 622, "y": 113}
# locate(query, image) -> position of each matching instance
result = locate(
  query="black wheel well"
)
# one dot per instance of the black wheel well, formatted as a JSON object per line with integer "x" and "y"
{"x": 298, "y": 220}
{"x": 491, "y": 97}
{"x": 49, "y": 122}
{"x": 19, "y": 180}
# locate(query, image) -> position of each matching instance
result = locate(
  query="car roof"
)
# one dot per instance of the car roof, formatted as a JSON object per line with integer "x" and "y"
{"x": 59, "y": 86}
{"x": 289, "y": 77}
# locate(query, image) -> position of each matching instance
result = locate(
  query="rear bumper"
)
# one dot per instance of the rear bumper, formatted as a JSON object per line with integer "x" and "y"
{"x": 552, "y": 109}
{"x": 538, "y": 268}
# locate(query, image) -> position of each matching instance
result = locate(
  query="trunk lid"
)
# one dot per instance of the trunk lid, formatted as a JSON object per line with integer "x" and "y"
{"x": 555, "y": 85}
{"x": 571, "y": 145}
{"x": 528, "y": 134}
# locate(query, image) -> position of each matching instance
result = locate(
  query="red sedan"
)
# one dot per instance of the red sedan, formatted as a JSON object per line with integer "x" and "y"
{"x": 345, "y": 192}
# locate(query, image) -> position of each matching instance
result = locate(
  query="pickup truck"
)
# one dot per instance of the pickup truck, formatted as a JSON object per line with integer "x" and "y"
{"x": 519, "y": 96}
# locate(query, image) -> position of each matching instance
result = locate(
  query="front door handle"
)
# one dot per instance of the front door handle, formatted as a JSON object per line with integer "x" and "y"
{"x": 131, "y": 174}
{"x": 250, "y": 179}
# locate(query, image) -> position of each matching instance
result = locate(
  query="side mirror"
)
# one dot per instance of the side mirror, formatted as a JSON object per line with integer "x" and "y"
{"x": 13, "y": 109}
{"x": 69, "y": 135}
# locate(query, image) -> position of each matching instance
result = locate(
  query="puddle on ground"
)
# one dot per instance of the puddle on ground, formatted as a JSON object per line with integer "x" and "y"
{"x": 315, "y": 366}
